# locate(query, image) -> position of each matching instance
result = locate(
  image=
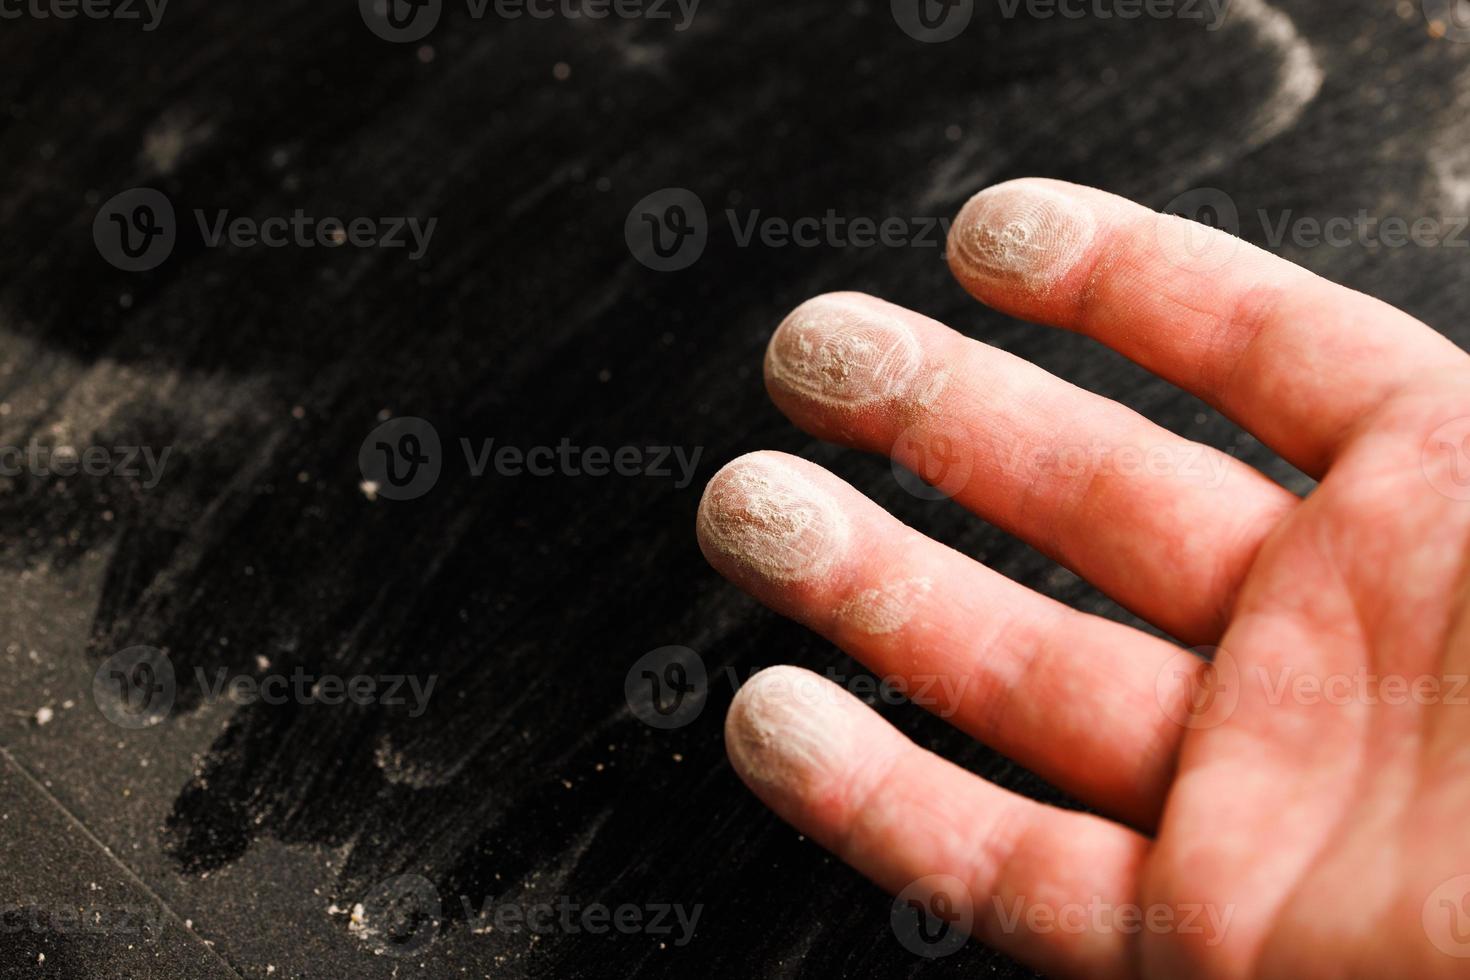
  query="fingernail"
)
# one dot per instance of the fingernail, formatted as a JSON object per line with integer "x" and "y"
{"x": 843, "y": 351}
{"x": 790, "y": 730}
{"x": 1020, "y": 233}
{"x": 762, "y": 514}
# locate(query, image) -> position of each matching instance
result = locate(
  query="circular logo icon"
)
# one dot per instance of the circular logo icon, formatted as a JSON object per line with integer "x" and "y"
{"x": 1446, "y": 917}
{"x": 666, "y": 688}
{"x": 668, "y": 229}
{"x": 135, "y": 230}
{"x": 933, "y": 916}
{"x": 1445, "y": 459}
{"x": 933, "y": 21}
{"x": 400, "y": 917}
{"x": 135, "y": 688}
{"x": 1448, "y": 19}
{"x": 401, "y": 21}
{"x": 401, "y": 458}
{"x": 932, "y": 462}
{"x": 1199, "y": 688}
{"x": 1197, "y": 246}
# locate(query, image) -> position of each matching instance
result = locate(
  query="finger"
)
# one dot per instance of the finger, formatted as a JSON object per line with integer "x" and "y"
{"x": 1084, "y": 702}
{"x": 1294, "y": 358}
{"x": 840, "y": 774}
{"x": 1166, "y": 526}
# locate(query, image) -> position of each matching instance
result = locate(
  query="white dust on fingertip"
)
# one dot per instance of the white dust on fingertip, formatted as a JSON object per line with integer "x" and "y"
{"x": 844, "y": 352}
{"x": 789, "y": 730}
{"x": 1021, "y": 233}
{"x": 766, "y": 516}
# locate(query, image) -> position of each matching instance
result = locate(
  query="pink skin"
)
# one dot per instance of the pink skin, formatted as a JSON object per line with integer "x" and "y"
{"x": 1305, "y": 834}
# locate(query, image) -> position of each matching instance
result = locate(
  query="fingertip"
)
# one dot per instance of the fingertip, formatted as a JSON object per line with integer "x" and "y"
{"x": 1026, "y": 234}
{"x": 764, "y": 519}
{"x": 841, "y": 351}
{"x": 789, "y": 734}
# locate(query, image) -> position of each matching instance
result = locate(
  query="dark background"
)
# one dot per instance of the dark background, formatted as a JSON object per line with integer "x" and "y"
{"x": 530, "y": 321}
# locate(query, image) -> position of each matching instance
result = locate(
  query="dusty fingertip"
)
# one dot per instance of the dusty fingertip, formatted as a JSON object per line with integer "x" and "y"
{"x": 761, "y": 515}
{"x": 789, "y": 731}
{"x": 1020, "y": 233}
{"x": 843, "y": 350}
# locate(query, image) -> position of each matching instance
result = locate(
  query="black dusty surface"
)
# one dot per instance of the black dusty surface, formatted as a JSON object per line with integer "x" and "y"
{"x": 254, "y": 831}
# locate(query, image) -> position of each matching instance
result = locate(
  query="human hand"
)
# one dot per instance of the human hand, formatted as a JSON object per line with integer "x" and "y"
{"x": 1306, "y": 795}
